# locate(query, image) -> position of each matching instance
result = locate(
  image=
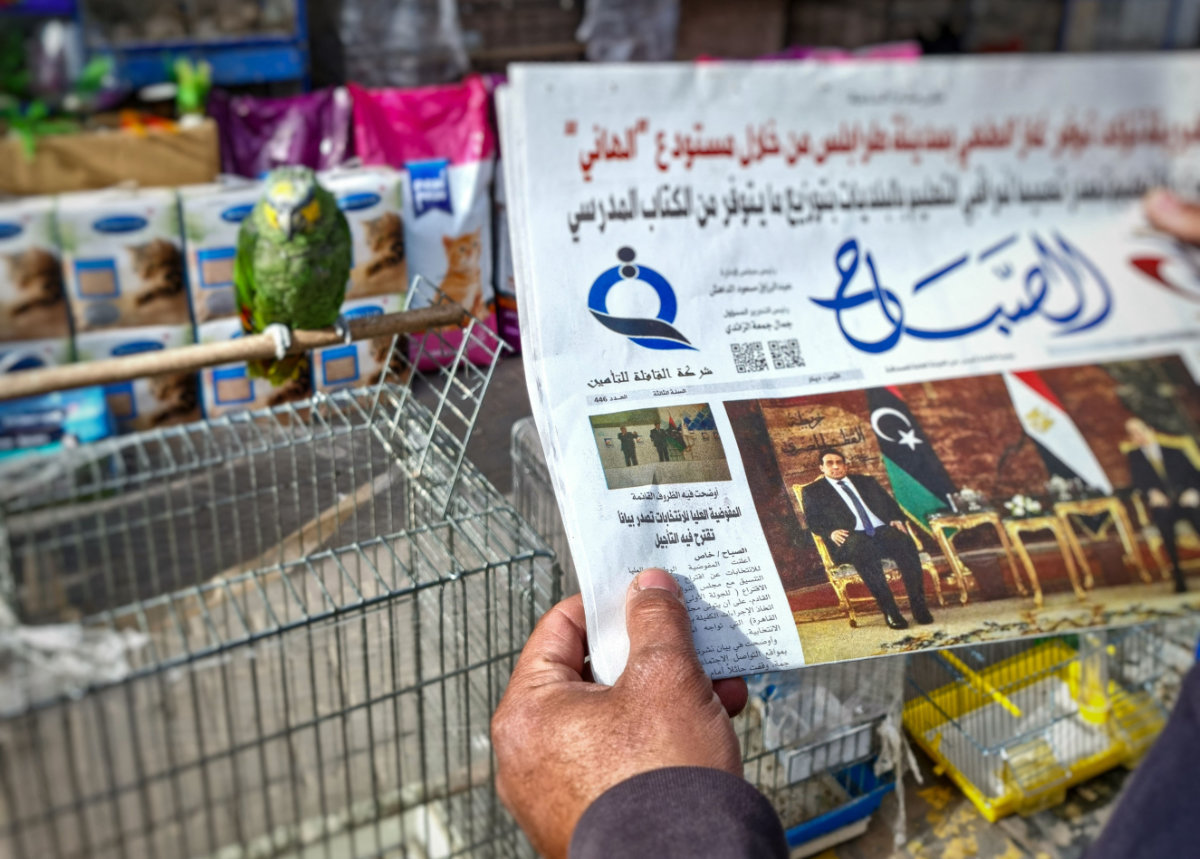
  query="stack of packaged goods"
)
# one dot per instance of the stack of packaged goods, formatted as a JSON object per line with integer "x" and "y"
{"x": 212, "y": 216}
{"x": 122, "y": 263}
{"x": 372, "y": 200}
{"x": 35, "y": 331}
{"x": 34, "y": 327}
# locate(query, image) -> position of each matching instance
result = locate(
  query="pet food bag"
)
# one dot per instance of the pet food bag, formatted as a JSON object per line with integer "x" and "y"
{"x": 212, "y": 217}
{"x": 144, "y": 403}
{"x": 372, "y": 198}
{"x": 231, "y": 388}
{"x": 259, "y": 134}
{"x": 32, "y": 304}
{"x": 505, "y": 282}
{"x": 122, "y": 259}
{"x": 358, "y": 364}
{"x": 441, "y": 139}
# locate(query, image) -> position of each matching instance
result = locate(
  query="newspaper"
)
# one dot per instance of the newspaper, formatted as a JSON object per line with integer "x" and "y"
{"x": 850, "y": 347}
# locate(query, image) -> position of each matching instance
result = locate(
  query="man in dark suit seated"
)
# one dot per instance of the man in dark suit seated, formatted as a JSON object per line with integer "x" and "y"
{"x": 862, "y": 524}
{"x": 1170, "y": 485}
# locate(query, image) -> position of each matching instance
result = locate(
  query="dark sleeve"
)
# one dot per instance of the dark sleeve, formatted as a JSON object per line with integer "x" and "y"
{"x": 1137, "y": 477}
{"x": 814, "y": 512}
{"x": 1156, "y": 813}
{"x": 680, "y": 812}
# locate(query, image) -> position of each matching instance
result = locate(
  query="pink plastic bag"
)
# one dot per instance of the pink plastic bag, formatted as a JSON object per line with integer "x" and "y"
{"x": 441, "y": 139}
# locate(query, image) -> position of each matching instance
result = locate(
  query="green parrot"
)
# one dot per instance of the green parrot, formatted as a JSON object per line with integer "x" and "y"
{"x": 292, "y": 264}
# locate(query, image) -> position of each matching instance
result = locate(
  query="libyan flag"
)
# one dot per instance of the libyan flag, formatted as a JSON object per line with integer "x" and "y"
{"x": 918, "y": 477}
{"x": 675, "y": 436}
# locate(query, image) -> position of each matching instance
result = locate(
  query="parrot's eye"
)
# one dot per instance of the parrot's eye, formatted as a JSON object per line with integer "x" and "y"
{"x": 272, "y": 216}
{"x": 311, "y": 212}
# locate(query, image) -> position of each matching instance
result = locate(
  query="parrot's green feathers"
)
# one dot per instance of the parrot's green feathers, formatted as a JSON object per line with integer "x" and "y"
{"x": 293, "y": 260}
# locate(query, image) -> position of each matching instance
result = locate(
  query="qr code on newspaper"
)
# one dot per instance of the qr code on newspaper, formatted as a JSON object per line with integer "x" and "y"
{"x": 785, "y": 354}
{"x": 749, "y": 357}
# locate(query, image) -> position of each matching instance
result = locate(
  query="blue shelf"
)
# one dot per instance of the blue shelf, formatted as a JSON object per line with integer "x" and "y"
{"x": 256, "y": 59}
{"x": 39, "y": 8}
{"x": 233, "y": 63}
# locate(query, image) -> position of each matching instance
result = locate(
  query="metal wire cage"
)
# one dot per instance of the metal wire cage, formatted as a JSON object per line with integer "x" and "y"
{"x": 1015, "y": 724}
{"x": 276, "y": 633}
{"x": 822, "y": 743}
{"x": 534, "y": 498}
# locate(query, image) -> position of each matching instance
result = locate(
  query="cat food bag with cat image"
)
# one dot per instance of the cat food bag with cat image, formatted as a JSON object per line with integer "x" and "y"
{"x": 32, "y": 303}
{"x": 359, "y": 364}
{"x": 144, "y": 403}
{"x": 440, "y": 137}
{"x": 231, "y": 388}
{"x": 122, "y": 259}
{"x": 212, "y": 216}
{"x": 372, "y": 199}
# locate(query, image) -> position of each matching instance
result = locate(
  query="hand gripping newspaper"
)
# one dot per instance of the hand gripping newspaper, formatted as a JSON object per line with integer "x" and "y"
{"x": 871, "y": 356}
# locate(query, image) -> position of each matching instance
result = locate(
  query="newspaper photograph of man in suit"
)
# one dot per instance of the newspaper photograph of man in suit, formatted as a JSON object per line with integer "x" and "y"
{"x": 979, "y": 508}
{"x": 862, "y": 524}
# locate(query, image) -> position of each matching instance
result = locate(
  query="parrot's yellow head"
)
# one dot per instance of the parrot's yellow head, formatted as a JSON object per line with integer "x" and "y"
{"x": 291, "y": 205}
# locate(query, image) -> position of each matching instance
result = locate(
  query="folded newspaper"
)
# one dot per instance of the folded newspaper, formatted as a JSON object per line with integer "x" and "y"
{"x": 872, "y": 357}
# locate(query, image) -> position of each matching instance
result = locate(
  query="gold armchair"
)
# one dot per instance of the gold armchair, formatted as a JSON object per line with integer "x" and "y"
{"x": 842, "y": 575}
{"x": 1185, "y": 537}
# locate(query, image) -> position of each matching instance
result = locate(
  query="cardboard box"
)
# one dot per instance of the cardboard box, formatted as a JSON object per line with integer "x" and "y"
{"x": 53, "y": 421}
{"x": 31, "y": 354}
{"x": 230, "y": 388}
{"x": 359, "y": 364}
{"x": 106, "y": 157}
{"x": 372, "y": 200}
{"x": 145, "y": 403}
{"x": 122, "y": 259}
{"x": 212, "y": 217}
{"x": 33, "y": 305}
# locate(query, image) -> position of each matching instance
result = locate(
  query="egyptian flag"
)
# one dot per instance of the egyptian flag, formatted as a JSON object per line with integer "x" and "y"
{"x": 918, "y": 477}
{"x": 1060, "y": 443}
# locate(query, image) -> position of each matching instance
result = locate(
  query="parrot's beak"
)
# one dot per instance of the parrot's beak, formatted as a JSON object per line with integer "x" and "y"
{"x": 289, "y": 227}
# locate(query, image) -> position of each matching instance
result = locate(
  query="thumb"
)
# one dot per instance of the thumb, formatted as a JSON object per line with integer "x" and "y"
{"x": 660, "y": 636}
{"x": 659, "y": 629}
{"x": 1173, "y": 215}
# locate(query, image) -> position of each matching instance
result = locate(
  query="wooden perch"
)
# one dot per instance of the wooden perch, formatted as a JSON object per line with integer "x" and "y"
{"x": 190, "y": 359}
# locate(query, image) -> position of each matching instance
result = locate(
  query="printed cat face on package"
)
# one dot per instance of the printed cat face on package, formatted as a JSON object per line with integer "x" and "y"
{"x": 462, "y": 252}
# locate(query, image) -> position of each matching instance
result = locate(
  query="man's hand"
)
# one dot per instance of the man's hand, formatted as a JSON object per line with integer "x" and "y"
{"x": 897, "y": 524}
{"x": 839, "y": 536}
{"x": 562, "y": 741}
{"x": 1173, "y": 215}
{"x": 1190, "y": 498}
{"x": 1158, "y": 498}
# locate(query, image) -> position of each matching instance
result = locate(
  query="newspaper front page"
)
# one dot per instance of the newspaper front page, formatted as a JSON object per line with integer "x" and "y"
{"x": 872, "y": 357}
